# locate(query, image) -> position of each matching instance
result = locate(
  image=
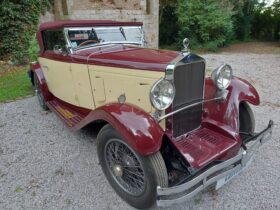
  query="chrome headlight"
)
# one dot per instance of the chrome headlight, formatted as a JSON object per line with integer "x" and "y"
{"x": 222, "y": 76}
{"x": 162, "y": 94}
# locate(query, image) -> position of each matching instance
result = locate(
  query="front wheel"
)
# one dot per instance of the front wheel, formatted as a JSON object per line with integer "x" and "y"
{"x": 246, "y": 121}
{"x": 134, "y": 177}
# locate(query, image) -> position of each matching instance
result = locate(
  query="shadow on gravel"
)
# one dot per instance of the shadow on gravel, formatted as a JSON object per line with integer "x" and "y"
{"x": 92, "y": 130}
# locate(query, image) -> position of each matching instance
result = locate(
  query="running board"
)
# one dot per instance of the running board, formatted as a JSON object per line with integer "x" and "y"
{"x": 71, "y": 116}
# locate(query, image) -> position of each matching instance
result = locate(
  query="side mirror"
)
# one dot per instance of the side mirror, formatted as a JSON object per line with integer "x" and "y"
{"x": 57, "y": 49}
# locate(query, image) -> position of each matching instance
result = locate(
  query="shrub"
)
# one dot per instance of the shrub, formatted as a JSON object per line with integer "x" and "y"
{"x": 18, "y": 22}
{"x": 33, "y": 50}
{"x": 206, "y": 23}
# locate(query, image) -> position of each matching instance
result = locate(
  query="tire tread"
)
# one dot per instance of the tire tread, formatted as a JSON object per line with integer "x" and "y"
{"x": 160, "y": 169}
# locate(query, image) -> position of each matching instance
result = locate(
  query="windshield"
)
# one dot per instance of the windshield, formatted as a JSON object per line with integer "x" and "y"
{"x": 87, "y": 36}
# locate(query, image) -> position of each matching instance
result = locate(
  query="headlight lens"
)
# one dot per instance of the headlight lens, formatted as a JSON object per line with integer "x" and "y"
{"x": 222, "y": 76}
{"x": 162, "y": 94}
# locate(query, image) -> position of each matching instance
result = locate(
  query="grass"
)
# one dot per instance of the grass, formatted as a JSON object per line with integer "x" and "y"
{"x": 14, "y": 82}
{"x": 18, "y": 189}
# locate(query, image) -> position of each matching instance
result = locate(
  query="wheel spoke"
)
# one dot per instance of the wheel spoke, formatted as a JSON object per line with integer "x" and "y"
{"x": 131, "y": 166}
{"x": 133, "y": 179}
{"x": 125, "y": 167}
{"x": 129, "y": 171}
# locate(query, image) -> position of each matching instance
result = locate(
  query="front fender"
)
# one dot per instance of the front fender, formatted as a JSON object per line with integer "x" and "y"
{"x": 226, "y": 114}
{"x": 138, "y": 128}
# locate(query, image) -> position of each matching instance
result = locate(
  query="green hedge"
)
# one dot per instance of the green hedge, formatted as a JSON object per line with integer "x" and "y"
{"x": 18, "y": 23}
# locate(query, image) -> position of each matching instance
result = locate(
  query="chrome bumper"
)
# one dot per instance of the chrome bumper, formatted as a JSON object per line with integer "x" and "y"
{"x": 178, "y": 194}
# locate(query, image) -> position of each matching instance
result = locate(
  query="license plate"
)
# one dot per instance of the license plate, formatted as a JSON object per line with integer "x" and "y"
{"x": 233, "y": 174}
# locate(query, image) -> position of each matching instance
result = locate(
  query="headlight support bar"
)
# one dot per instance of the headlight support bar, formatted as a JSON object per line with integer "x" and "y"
{"x": 221, "y": 96}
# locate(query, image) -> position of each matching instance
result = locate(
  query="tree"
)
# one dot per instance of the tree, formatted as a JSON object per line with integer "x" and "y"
{"x": 243, "y": 14}
{"x": 266, "y": 22}
{"x": 167, "y": 22}
{"x": 276, "y": 14}
{"x": 206, "y": 23}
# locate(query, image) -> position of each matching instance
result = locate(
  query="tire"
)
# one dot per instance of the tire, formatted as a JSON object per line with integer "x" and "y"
{"x": 133, "y": 177}
{"x": 39, "y": 94}
{"x": 246, "y": 119}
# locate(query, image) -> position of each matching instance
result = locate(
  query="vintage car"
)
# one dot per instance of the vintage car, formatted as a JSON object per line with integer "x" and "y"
{"x": 166, "y": 131}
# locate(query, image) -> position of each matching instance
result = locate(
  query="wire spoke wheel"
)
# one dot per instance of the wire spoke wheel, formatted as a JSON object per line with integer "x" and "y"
{"x": 133, "y": 176}
{"x": 124, "y": 167}
{"x": 38, "y": 91}
{"x": 39, "y": 94}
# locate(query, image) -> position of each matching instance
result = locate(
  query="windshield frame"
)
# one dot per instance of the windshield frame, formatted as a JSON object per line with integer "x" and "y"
{"x": 72, "y": 50}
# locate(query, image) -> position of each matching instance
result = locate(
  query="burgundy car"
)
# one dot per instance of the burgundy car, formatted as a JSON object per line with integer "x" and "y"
{"x": 166, "y": 131}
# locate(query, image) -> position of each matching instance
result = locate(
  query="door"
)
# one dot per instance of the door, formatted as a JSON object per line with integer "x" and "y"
{"x": 56, "y": 66}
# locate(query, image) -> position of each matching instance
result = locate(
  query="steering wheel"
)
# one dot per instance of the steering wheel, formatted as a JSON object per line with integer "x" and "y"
{"x": 88, "y": 41}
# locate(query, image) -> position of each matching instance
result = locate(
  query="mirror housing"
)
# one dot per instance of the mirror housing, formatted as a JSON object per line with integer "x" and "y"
{"x": 60, "y": 50}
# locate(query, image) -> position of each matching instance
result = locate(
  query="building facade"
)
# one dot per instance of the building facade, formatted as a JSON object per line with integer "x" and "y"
{"x": 146, "y": 11}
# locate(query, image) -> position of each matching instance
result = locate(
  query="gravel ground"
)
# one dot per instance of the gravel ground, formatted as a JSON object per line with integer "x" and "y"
{"x": 45, "y": 166}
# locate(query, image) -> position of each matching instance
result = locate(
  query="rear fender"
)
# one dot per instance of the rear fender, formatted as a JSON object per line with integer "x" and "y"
{"x": 37, "y": 72}
{"x": 226, "y": 114}
{"x": 138, "y": 128}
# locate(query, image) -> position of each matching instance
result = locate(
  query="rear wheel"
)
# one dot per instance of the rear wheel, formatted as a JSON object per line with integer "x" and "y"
{"x": 134, "y": 177}
{"x": 39, "y": 94}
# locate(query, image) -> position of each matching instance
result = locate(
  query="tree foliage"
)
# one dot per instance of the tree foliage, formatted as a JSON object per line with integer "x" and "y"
{"x": 243, "y": 15}
{"x": 168, "y": 26}
{"x": 207, "y": 23}
{"x": 266, "y": 22}
{"x": 18, "y": 22}
{"x": 214, "y": 23}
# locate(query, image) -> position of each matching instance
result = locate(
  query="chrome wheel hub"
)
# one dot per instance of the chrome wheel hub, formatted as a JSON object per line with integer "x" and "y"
{"x": 118, "y": 171}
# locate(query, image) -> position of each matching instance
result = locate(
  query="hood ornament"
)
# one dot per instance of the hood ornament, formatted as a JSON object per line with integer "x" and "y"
{"x": 186, "y": 43}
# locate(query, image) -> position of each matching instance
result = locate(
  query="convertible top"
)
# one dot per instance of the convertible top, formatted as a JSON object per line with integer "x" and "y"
{"x": 80, "y": 23}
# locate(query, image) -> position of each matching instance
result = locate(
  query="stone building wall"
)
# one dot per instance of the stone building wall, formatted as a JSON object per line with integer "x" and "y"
{"x": 146, "y": 11}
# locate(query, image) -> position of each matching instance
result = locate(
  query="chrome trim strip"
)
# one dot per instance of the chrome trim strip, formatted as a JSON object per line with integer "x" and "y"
{"x": 167, "y": 196}
{"x": 217, "y": 98}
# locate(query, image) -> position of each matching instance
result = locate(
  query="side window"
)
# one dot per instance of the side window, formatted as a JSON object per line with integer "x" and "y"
{"x": 54, "y": 39}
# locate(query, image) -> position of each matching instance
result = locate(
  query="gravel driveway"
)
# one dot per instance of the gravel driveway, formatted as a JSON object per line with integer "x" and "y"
{"x": 45, "y": 166}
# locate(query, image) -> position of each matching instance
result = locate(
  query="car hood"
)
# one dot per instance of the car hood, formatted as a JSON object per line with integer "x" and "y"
{"x": 127, "y": 56}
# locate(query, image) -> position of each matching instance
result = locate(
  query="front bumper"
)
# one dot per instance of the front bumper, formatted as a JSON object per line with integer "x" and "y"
{"x": 178, "y": 194}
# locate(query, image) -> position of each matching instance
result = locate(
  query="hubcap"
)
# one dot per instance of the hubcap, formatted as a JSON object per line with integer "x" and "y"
{"x": 125, "y": 167}
{"x": 117, "y": 169}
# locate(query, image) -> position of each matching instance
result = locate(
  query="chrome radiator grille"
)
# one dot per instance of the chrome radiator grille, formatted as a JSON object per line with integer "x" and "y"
{"x": 189, "y": 84}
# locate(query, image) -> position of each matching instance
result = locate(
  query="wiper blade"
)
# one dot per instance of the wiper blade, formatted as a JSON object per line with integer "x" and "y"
{"x": 122, "y": 31}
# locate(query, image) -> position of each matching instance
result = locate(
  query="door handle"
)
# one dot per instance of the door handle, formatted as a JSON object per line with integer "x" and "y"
{"x": 45, "y": 67}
